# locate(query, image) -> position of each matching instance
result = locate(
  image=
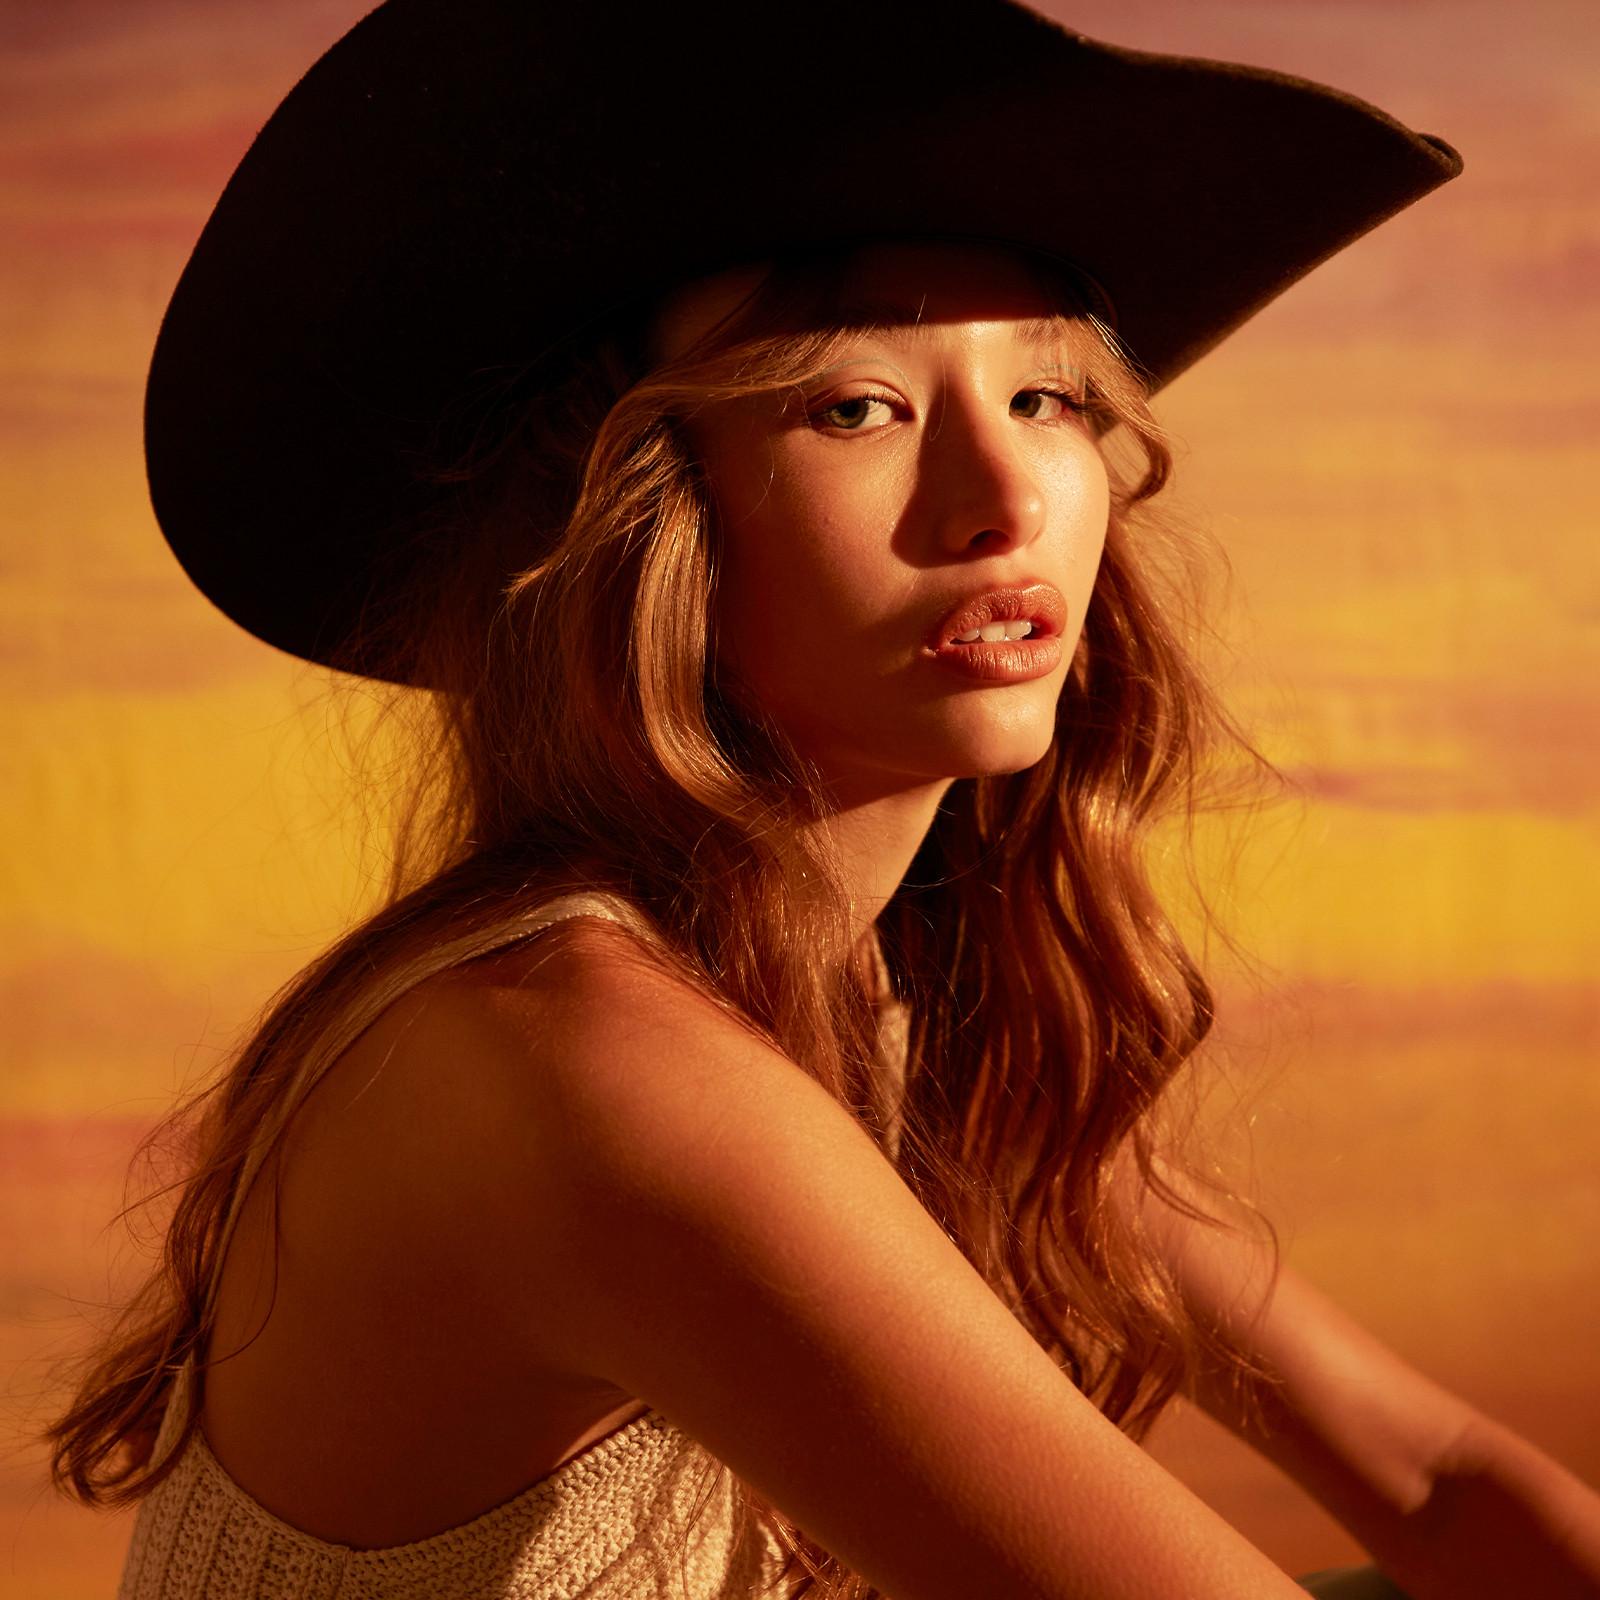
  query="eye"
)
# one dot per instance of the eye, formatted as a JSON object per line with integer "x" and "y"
{"x": 849, "y": 415}
{"x": 1068, "y": 403}
{"x": 854, "y": 414}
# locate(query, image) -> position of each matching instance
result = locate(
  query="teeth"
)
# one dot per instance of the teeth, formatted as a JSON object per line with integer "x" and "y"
{"x": 994, "y": 632}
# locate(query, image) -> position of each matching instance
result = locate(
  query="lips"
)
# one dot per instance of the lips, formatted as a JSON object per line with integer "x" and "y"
{"x": 1038, "y": 603}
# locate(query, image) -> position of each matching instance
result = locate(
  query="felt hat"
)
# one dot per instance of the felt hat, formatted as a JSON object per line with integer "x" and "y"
{"x": 458, "y": 187}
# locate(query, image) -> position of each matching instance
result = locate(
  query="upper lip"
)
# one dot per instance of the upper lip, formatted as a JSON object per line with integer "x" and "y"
{"x": 1039, "y": 603}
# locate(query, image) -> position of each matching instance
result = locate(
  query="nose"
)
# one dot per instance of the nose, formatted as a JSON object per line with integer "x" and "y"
{"x": 987, "y": 493}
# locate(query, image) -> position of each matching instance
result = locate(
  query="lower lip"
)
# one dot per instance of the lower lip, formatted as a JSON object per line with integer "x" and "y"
{"x": 1005, "y": 661}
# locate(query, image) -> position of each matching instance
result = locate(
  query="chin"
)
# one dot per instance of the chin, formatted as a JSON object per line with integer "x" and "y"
{"x": 993, "y": 746}
{"x": 993, "y": 756}
{"x": 911, "y": 753}
{"x": 998, "y": 763}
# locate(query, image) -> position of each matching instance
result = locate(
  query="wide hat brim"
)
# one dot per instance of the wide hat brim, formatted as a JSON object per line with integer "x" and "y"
{"x": 458, "y": 186}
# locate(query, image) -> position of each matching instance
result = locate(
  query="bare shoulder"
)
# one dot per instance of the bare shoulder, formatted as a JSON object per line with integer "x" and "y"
{"x": 718, "y": 1236}
{"x": 606, "y": 1067}
{"x": 620, "y": 1170}
{"x": 551, "y": 1022}
{"x": 573, "y": 969}
{"x": 512, "y": 1022}
{"x": 434, "y": 1149}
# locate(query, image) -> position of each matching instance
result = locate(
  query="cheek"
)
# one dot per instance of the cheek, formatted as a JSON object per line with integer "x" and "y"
{"x": 746, "y": 591}
{"x": 1089, "y": 499}
{"x": 780, "y": 598}
{"x": 797, "y": 565}
{"x": 1087, "y": 560}
{"x": 762, "y": 581}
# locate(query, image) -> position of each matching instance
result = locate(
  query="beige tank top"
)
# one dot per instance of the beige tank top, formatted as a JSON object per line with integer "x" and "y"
{"x": 617, "y": 1522}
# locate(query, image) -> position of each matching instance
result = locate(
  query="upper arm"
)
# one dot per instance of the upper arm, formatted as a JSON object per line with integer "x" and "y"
{"x": 728, "y": 1244}
{"x": 1337, "y": 1409}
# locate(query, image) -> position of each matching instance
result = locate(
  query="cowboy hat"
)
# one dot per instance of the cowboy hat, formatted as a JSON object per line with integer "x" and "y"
{"x": 458, "y": 187}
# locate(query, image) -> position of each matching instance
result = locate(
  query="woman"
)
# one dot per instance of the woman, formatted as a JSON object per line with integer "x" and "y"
{"x": 771, "y": 1018}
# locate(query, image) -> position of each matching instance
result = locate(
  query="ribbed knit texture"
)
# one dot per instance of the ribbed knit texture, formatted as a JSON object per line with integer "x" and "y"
{"x": 607, "y": 1525}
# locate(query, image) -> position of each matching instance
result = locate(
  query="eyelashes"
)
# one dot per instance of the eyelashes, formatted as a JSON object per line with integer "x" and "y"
{"x": 827, "y": 419}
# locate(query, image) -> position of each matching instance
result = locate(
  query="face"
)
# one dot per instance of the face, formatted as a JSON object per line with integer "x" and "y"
{"x": 938, "y": 462}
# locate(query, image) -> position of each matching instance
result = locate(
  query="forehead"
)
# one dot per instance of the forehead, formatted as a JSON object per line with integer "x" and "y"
{"x": 910, "y": 291}
{"x": 917, "y": 288}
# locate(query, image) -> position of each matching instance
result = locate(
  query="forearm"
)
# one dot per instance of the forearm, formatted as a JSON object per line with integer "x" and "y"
{"x": 1451, "y": 1505}
{"x": 1501, "y": 1519}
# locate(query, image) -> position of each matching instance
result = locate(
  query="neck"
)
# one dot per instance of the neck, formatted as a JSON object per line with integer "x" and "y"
{"x": 876, "y": 838}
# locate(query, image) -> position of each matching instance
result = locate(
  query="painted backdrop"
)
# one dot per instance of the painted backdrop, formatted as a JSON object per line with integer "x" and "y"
{"x": 1399, "y": 459}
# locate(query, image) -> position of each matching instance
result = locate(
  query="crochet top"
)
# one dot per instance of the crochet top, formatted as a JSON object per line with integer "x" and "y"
{"x": 616, "y": 1522}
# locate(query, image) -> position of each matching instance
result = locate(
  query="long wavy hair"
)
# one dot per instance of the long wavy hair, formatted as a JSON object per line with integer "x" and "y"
{"x": 565, "y": 582}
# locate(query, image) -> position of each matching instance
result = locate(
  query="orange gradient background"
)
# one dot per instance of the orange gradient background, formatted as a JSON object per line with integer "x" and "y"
{"x": 1399, "y": 459}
